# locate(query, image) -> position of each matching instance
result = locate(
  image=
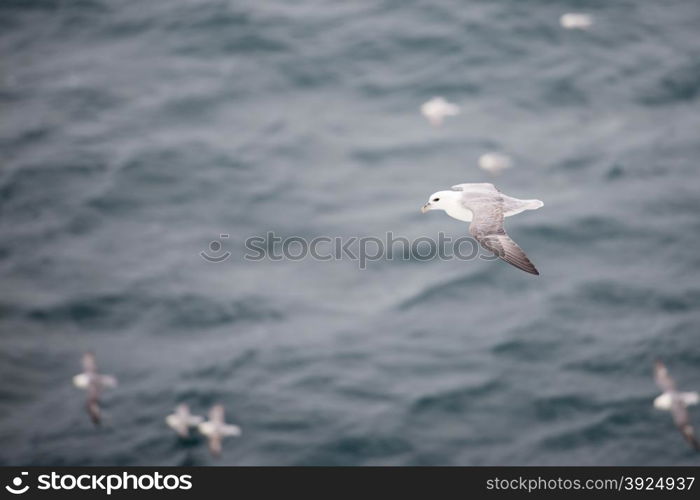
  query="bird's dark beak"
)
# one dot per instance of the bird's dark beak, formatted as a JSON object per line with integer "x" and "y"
{"x": 425, "y": 208}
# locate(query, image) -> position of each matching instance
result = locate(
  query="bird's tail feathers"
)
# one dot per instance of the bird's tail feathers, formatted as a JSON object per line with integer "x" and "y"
{"x": 534, "y": 204}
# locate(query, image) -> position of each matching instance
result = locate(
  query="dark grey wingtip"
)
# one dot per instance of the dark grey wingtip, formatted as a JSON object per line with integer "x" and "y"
{"x": 94, "y": 412}
{"x": 530, "y": 270}
{"x": 689, "y": 435}
{"x": 517, "y": 258}
{"x": 509, "y": 251}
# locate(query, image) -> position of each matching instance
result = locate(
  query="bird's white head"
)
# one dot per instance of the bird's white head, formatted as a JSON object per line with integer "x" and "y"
{"x": 441, "y": 200}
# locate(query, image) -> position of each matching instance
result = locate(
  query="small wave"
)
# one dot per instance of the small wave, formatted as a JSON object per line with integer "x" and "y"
{"x": 526, "y": 350}
{"x": 357, "y": 450}
{"x": 563, "y": 406}
{"x": 224, "y": 370}
{"x": 452, "y": 288}
{"x": 454, "y": 401}
{"x": 601, "y": 427}
{"x": 607, "y": 294}
{"x": 681, "y": 84}
{"x": 122, "y": 310}
{"x": 409, "y": 152}
{"x": 581, "y": 435}
{"x": 583, "y": 230}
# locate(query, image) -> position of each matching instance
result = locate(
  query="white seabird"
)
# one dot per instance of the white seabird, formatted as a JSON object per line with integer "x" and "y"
{"x": 485, "y": 207}
{"x": 437, "y": 108}
{"x": 576, "y": 21}
{"x": 182, "y": 420}
{"x": 676, "y": 402}
{"x": 93, "y": 382}
{"x": 216, "y": 429}
{"x": 495, "y": 163}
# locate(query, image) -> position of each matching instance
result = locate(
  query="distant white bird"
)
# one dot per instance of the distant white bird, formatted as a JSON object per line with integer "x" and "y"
{"x": 495, "y": 163}
{"x": 676, "y": 402}
{"x": 216, "y": 429}
{"x": 437, "y": 108}
{"x": 182, "y": 420}
{"x": 575, "y": 20}
{"x": 93, "y": 382}
{"x": 486, "y": 207}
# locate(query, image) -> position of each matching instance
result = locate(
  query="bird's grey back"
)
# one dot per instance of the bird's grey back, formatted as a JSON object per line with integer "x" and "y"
{"x": 486, "y": 204}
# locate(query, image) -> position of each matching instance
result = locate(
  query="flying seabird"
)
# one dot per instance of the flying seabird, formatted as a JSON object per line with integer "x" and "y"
{"x": 576, "y": 20}
{"x": 93, "y": 382}
{"x": 485, "y": 207}
{"x": 676, "y": 402}
{"x": 182, "y": 420}
{"x": 437, "y": 108}
{"x": 216, "y": 429}
{"x": 494, "y": 163}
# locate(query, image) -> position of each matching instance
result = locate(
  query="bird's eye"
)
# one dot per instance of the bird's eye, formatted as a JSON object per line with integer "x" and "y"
{"x": 436, "y": 199}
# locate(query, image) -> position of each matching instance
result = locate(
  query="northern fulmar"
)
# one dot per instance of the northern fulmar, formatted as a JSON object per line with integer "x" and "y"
{"x": 93, "y": 382}
{"x": 216, "y": 429}
{"x": 676, "y": 402}
{"x": 437, "y": 108}
{"x": 485, "y": 207}
{"x": 182, "y": 420}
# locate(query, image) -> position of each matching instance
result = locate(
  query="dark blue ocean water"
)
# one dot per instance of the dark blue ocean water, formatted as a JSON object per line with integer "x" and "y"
{"x": 132, "y": 134}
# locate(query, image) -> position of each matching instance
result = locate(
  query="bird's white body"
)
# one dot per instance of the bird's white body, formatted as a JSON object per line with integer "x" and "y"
{"x": 85, "y": 380}
{"x": 437, "y": 108}
{"x": 450, "y": 202}
{"x": 665, "y": 400}
{"x": 573, "y": 21}
{"x": 81, "y": 381}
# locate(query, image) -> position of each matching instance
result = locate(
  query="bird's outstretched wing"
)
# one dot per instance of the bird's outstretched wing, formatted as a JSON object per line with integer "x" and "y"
{"x": 506, "y": 249}
{"x": 108, "y": 381}
{"x": 663, "y": 378}
{"x": 682, "y": 420}
{"x": 89, "y": 363}
{"x": 216, "y": 414}
{"x": 486, "y": 203}
{"x": 93, "y": 409}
